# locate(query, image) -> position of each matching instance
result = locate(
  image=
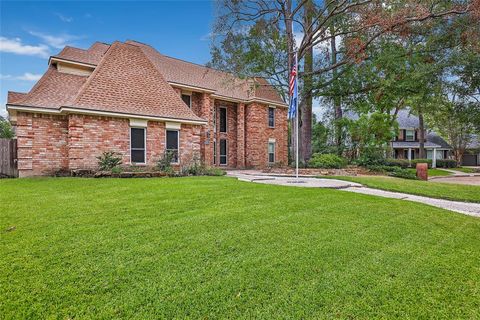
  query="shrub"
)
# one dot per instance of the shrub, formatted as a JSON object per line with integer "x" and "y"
{"x": 402, "y": 163}
{"x": 427, "y": 161}
{"x": 214, "y": 172}
{"x": 164, "y": 164}
{"x": 109, "y": 160}
{"x": 327, "y": 161}
{"x": 394, "y": 171}
{"x": 446, "y": 163}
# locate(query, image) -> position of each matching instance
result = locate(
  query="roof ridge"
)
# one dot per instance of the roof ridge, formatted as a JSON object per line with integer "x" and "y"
{"x": 94, "y": 73}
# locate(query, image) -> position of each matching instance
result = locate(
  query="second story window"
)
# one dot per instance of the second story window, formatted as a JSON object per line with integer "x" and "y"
{"x": 409, "y": 135}
{"x": 271, "y": 117}
{"x": 187, "y": 99}
{"x": 223, "y": 119}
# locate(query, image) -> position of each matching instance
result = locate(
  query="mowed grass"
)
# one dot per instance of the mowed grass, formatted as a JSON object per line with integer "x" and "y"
{"x": 434, "y": 172}
{"x": 448, "y": 191}
{"x": 215, "y": 247}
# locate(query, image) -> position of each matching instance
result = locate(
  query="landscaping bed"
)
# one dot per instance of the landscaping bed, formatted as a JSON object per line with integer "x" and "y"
{"x": 347, "y": 171}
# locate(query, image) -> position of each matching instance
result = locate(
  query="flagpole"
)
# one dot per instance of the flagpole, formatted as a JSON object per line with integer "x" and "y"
{"x": 296, "y": 119}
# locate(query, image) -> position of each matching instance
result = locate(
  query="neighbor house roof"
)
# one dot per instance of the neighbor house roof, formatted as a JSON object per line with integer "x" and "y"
{"x": 413, "y": 144}
{"x": 474, "y": 143}
{"x": 406, "y": 119}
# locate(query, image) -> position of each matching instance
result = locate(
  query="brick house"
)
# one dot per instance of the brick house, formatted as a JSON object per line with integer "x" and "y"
{"x": 128, "y": 98}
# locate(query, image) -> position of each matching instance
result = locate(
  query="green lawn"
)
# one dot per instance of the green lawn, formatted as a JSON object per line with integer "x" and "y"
{"x": 432, "y": 189}
{"x": 465, "y": 170}
{"x": 215, "y": 247}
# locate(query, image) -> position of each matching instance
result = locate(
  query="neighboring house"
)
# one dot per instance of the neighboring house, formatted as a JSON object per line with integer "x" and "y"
{"x": 471, "y": 157}
{"x": 129, "y": 98}
{"x": 407, "y": 145}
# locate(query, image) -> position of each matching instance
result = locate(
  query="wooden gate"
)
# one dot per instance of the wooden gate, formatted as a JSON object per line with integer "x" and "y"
{"x": 8, "y": 158}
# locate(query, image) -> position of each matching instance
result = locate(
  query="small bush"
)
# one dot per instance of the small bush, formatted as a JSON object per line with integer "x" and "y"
{"x": 164, "y": 164}
{"x": 109, "y": 160}
{"x": 116, "y": 170}
{"x": 427, "y": 161}
{"x": 446, "y": 163}
{"x": 394, "y": 171}
{"x": 327, "y": 161}
{"x": 214, "y": 172}
{"x": 402, "y": 163}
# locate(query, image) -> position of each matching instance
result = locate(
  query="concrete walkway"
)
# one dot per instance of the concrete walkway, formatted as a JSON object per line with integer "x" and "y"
{"x": 472, "y": 209}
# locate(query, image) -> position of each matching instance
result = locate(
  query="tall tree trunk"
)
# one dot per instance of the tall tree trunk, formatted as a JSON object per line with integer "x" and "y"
{"x": 307, "y": 99}
{"x": 338, "y": 112}
{"x": 421, "y": 134}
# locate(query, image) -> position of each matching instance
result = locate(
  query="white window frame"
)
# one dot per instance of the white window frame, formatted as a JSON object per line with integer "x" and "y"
{"x": 220, "y": 153}
{"x": 268, "y": 151}
{"x": 189, "y": 95}
{"x": 220, "y": 120}
{"x": 406, "y": 134}
{"x": 144, "y": 143}
{"x": 268, "y": 117}
{"x": 178, "y": 144}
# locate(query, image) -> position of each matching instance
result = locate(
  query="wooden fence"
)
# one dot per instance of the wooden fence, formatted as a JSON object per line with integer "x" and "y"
{"x": 8, "y": 158}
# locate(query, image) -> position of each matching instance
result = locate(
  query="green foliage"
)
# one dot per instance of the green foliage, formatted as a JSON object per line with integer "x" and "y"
{"x": 446, "y": 163}
{"x": 402, "y": 163}
{"x": 164, "y": 164}
{"x": 117, "y": 170}
{"x": 6, "y": 130}
{"x": 371, "y": 135}
{"x": 393, "y": 171}
{"x": 326, "y": 161}
{"x": 427, "y": 161}
{"x": 109, "y": 160}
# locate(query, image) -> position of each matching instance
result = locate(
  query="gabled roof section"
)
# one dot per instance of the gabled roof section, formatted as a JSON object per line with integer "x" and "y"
{"x": 92, "y": 55}
{"x": 14, "y": 97}
{"x": 126, "y": 81}
{"x": 53, "y": 90}
{"x": 224, "y": 84}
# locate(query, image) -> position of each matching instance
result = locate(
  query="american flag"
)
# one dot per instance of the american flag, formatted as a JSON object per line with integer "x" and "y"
{"x": 293, "y": 91}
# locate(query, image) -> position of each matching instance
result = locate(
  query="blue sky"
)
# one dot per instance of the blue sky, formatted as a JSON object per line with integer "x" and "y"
{"x": 32, "y": 31}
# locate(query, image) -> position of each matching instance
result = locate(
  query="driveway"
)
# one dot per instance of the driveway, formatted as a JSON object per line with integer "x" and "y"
{"x": 469, "y": 180}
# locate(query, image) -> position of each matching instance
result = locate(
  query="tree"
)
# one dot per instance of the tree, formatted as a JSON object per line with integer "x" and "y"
{"x": 357, "y": 23}
{"x": 6, "y": 130}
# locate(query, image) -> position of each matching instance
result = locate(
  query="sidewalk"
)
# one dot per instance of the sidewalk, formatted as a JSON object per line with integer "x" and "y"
{"x": 472, "y": 209}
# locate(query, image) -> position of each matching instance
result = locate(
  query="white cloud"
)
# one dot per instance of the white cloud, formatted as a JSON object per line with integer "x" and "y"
{"x": 16, "y": 46}
{"x": 63, "y": 17}
{"x": 27, "y": 76}
{"x": 56, "y": 41}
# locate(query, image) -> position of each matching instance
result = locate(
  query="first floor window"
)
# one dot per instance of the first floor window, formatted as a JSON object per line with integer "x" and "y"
{"x": 172, "y": 144}
{"x": 137, "y": 145}
{"x": 187, "y": 99}
{"x": 223, "y": 151}
{"x": 271, "y": 152}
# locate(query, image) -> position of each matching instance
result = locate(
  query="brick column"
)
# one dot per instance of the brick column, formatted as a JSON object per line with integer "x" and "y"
{"x": 75, "y": 141}
{"x": 25, "y": 144}
{"x": 206, "y": 141}
{"x": 241, "y": 135}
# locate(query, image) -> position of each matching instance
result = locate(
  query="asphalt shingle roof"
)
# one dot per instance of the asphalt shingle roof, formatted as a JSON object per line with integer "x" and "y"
{"x": 134, "y": 78}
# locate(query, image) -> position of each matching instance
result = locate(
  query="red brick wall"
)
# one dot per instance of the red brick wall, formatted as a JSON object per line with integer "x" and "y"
{"x": 49, "y": 143}
{"x": 258, "y": 133}
{"x": 42, "y": 144}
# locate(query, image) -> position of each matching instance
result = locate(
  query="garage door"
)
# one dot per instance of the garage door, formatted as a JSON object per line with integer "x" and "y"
{"x": 470, "y": 160}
